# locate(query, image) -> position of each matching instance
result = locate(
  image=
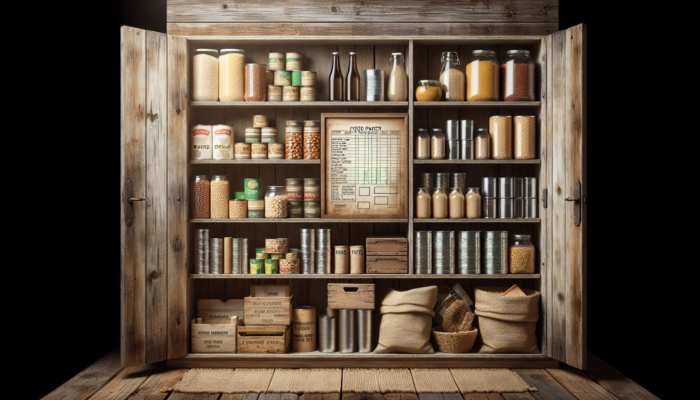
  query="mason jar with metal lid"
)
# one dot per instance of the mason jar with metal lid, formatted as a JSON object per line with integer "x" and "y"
{"x": 428, "y": 90}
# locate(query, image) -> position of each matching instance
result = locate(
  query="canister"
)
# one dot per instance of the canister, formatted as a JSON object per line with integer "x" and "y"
{"x": 268, "y": 135}
{"x": 312, "y": 189}
{"x": 505, "y": 208}
{"x": 518, "y": 187}
{"x": 283, "y": 78}
{"x": 364, "y": 330}
{"x": 342, "y": 259}
{"x": 505, "y": 188}
{"x": 276, "y": 256}
{"x": 296, "y": 78}
{"x": 312, "y": 209}
{"x": 277, "y": 242}
{"x": 277, "y": 61}
{"x": 518, "y": 208}
{"x": 295, "y": 208}
{"x": 239, "y": 195}
{"x": 271, "y": 266}
{"x": 260, "y": 121}
{"x": 530, "y": 206}
{"x": 489, "y": 187}
{"x": 490, "y": 207}
{"x": 327, "y": 334}
{"x": 530, "y": 188}
{"x": 252, "y": 189}
{"x": 294, "y": 188}
{"x": 292, "y": 254}
{"x": 274, "y": 93}
{"x": 216, "y": 258}
{"x": 257, "y": 266}
{"x": 289, "y": 266}
{"x": 466, "y": 129}
{"x": 303, "y": 328}
{"x": 357, "y": 259}
{"x": 258, "y": 151}
{"x": 307, "y": 93}
{"x": 452, "y": 129}
{"x": 290, "y": 93}
{"x": 242, "y": 151}
{"x": 260, "y": 253}
{"x": 275, "y": 151}
{"x": 346, "y": 329}
{"x": 495, "y": 252}
{"x": 294, "y": 61}
{"x": 252, "y": 135}
{"x": 202, "y": 142}
{"x": 256, "y": 208}
{"x": 223, "y": 139}
{"x": 466, "y": 149}
{"x": 201, "y": 251}
{"x": 374, "y": 85}
{"x": 453, "y": 149}
{"x": 308, "y": 78}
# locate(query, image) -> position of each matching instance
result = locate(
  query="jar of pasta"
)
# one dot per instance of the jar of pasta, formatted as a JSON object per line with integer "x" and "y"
{"x": 522, "y": 255}
{"x": 482, "y": 76}
{"x": 518, "y": 77}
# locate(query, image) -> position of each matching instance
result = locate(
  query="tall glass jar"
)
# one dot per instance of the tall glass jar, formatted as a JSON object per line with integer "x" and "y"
{"x": 293, "y": 149}
{"x": 501, "y": 131}
{"x": 398, "y": 80}
{"x": 428, "y": 90}
{"x": 219, "y": 196}
{"x": 457, "y": 204}
{"x": 423, "y": 200}
{"x": 522, "y": 255}
{"x": 482, "y": 144}
{"x": 451, "y": 78}
{"x": 422, "y": 149}
{"x": 437, "y": 144}
{"x": 482, "y": 76}
{"x": 518, "y": 76}
{"x": 276, "y": 202}
{"x": 231, "y": 74}
{"x": 255, "y": 82}
{"x": 205, "y": 75}
{"x": 440, "y": 203}
{"x": 200, "y": 197}
{"x": 473, "y": 203}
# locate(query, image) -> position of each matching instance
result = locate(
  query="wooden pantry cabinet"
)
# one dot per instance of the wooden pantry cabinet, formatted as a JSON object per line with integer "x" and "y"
{"x": 159, "y": 289}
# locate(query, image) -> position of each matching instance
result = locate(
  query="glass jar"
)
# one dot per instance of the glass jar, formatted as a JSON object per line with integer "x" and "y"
{"x": 501, "y": 132}
{"x": 205, "y": 75}
{"x": 422, "y": 149}
{"x": 518, "y": 76}
{"x": 312, "y": 140}
{"x": 293, "y": 141}
{"x": 237, "y": 208}
{"x": 200, "y": 198}
{"x": 457, "y": 204}
{"x": 219, "y": 196}
{"x": 428, "y": 90}
{"x": 440, "y": 203}
{"x": 451, "y": 78}
{"x": 276, "y": 202}
{"x": 522, "y": 255}
{"x": 255, "y": 82}
{"x": 524, "y": 134}
{"x": 398, "y": 80}
{"x": 482, "y": 144}
{"x": 482, "y": 76}
{"x": 231, "y": 74}
{"x": 473, "y": 202}
{"x": 423, "y": 203}
{"x": 437, "y": 144}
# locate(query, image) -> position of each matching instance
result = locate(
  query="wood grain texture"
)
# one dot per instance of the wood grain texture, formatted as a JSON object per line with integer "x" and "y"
{"x": 198, "y": 396}
{"x": 133, "y": 172}
{"x": 476, "y": 162}
{"x": 126, "y": 382}
{"x": 547, "y": 387}
{"x": 157, "y": 385}
{"x": 254, "y": 162}
{"x": 579, "y": 384}
{"x": 614, "y": 381}
{"x": 321, "y": 93}
{"x": 516, "y": 396}
{"x": 316, "y": 277}
{"x": 90, "y": 380}
{"x": 298, "y": 220}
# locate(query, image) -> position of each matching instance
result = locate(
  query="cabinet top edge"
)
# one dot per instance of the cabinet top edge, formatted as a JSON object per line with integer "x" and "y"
{"x": 423, "y": 40}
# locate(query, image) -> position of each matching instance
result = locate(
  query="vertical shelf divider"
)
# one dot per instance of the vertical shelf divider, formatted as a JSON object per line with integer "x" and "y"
{"x": 409, "y": 65}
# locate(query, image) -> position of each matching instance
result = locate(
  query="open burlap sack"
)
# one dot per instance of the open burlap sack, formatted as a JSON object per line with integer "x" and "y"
{"x": 507, "y": 324}
{"x": 406, "y": 321}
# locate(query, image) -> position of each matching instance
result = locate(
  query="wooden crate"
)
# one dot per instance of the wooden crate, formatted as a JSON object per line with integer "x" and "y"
{"x": 386, "y": 246}
{"x": 269, "y": 291}
{"x": 351, "y": 295}
{"x": 215, "y": 311}
{"x": 214, "y": 338}
{"x": 264, "y": 339}
{"x": 387, "y": 265}
{"x": 268, "y": 310}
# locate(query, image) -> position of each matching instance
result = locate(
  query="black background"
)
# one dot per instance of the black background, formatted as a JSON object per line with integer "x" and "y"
{"x": 65, "y": 267}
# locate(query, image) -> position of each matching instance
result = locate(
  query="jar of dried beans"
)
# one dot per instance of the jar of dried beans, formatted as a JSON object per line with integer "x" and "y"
{"x": 451, "y": 78}
{"x": 200, "y": 201}
{"x": 293, "y": 140}
{"x": 428, "y": 91}
{"x": 482, "y": 76}
{"x": 276, "y": 202}
{"x": 231, "y": 74}
{"x": 205, "y": 75}
{"x": 522, "y": 255}
{"x": 255, "y": 82}
{"x": 219, "y": 196}
{"x": 312, "y": 140}
{"x": 518, "y": 76}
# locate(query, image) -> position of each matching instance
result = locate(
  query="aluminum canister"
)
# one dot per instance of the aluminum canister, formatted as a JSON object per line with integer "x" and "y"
{"x": 201, "y": 251}
{"x": 216, "y": 257}
{"x": 374, "y": 84}
{"x": 466, "y": 129}
{"x": 518, "y": 208}
{"x": 530, "y": 206}
{"x": 469, "y": 252}
{"x": 427, "y": 180}
{"x": 518, "y": 189}
{"x": 505, "y": 188}
{"x": 327, "y": 334}
{"x": 505, "y": 208}
{"x": 452, "y": 129}
{"x": 423, "y": 253}
{"x": 495, "y": 252}
{"x": 444, "y": 252}
{"x": 489, "y": 187}
{"x": 466, "y": 149}
{"x": 530, "y": 188}
{"x": 364, "y": 331}
{"x": 453, "y": 149}
{"x": 490, "y": 207}
{"x": 346, "y": 329}
{"x": 308, "y": 245}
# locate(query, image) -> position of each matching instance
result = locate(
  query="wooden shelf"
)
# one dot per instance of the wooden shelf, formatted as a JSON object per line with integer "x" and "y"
{"x": 299, "y": 104}
{"x": 476, "y": 220}
{"x": 476, "y": 104}
{"x": 361, "y": 276}
{"x": 266, "y": 161}
{"x": 298, "y": 220}
{"x": 496, "y": 162}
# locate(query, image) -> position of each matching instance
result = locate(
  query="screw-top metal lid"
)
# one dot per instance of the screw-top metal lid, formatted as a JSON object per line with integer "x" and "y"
{"x": 421, "y": 130}
{"x": 526, "y": 52}
{"x": 483, "y": 52}
{"x": 429, "y": 82}
{"x": 521, "y": 237}
{"x": 233, "y": 50}
{"x": 335, "y": 53}
{"x": 436, "y": 130}
{"x": 207, "y": 51}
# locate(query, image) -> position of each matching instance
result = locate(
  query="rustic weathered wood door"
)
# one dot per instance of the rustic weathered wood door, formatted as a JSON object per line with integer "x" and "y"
{"x": 566, "y": 110}
{"x": 153, "y": 270}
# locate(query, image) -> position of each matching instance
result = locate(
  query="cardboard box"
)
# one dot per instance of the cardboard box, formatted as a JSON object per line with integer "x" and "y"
{"x": 269, "y": 291}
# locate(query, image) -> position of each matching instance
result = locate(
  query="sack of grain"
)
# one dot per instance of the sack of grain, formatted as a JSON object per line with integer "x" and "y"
{"x": 507, "y": 324}
{"x": 406, "y": 321}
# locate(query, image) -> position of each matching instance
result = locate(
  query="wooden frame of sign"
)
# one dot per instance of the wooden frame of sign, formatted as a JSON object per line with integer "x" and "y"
{"x": 364, "y": 165}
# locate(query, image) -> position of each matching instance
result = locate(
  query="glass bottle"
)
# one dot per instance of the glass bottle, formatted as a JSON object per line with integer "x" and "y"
{"x": 518, "y": 76}
{"x": 276, "y": 202}
{"x": 437, "y": 144}
{"x": 457, "y": 204}
{"x": 352, "y": 81}
{"x": 473, "y": 203}
{"x": 200, "y": 203}
{"x": 482, "y": 144}
{"x": 335, "y": 80}
{"x": 423, "y": 203}
{"x": 398, "y": 80}
{"x": 522, "y": 255}
{"x": 440, "y": 203}
{"x": 482, "y": 76}
{"x": 451, "y": 78}
{"x": 422, "y": 149}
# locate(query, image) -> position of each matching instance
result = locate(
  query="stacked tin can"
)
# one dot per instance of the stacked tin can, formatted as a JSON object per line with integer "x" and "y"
{"x": 240, "y": 256}
{"x": 422, "y": 252}
{"x": 489, "y": 197}
{"x": 323, "y": 251}
{"x": 452, "y": 137}
{"x": 466, "y": 139}
{"x": 308, "y": 256}
{"x": 312, "y": 198}
{"x": 469, "y": 252}
{"x": 496, "y": 252}
{"x": 201, "y": 251}
{"x": 216, "y": 256}
{"x": 294, "y": 187}
{"x": 530, "y": 204}
{"x": 444, "y": 252}
{"x": 506, "y": 194}
{"x": 374, "y": 85}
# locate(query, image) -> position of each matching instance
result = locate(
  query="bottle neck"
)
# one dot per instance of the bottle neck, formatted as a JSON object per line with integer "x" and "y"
{"x": 336, "y": 62}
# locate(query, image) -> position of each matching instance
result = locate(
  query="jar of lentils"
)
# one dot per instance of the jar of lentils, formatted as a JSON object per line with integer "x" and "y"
{"x": 200, "y": 201}
{"x": 293, "y": 140}
{"x": 255, "y": 80}
{"x": 219, "y": 196}
{"x": 518, "y": 77}
{"x": 312, "y": 140}
{"x": 482, "y": 76}
{"x": 522, "y": 255}
{"x": 276, "y": 202}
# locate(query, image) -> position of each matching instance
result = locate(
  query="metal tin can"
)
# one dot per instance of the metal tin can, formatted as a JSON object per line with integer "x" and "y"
{"x": 295, "y": 193}
{"x": 489, "y": 187}
{"x": 295, "y": 208}
{"x": 294, "y": 182}
{"x": 276, "y": 256}
{"x": 505, "y": 208}
{"x": 271, "y": 266}
{"x": 256, "y": 213}
{"x": 466, "y": 149}
{"x": 452, "y": 129}
{"x": 274, "y": 93}
{"x": 308, "y": 78}
{"x": 290, "y": 93}
{"x": 275, "y": 249}
{"x": 296, "y": 78}
{"x": 260, "y": 121}
{"x": 530, "y": 206}
{"x": 307, "y": 93}
{"x": 277, "y": 61}
{"x": 327, "y": 333}
{"x": 293, "y": 255}
{"x": 530, "y": 188}
{"x": 202, "y": 142}
{"x": 277, "y": 242}
{"x": 257, "y": 266}
{"x": 453, "y": 149}
{"x": 364, "y": 331}
{"x": 239, "y": 195}
{"x": 347, "y": 331}
{"x": 260, "y": 253}
{"x": 505, "y": 188}
{"x": 289, "y": 266}
{"x": 252, "y": 189}
{"x": 518, "y": 208}
{"x": 252, "y": 135}
{"x": 294, "y": 61}
{"x": 283, "y": 78}
{"x": 268, "y": 135}
{"x": 275, "y": 151}
{"x": 466, "y": 129}
{"x": 242, "y": 151}
{"x": 518, "y": 187}
{"x": 222, "y": 141}
{"x": 312, "y": 209}
{"x": 312, "y": 188}
{"x": 258, "y": 151}
{"x": 490, "y": 207}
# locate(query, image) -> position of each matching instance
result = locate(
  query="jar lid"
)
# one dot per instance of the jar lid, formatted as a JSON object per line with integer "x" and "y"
{"x": 207, "y": 51}
{"x": 526, "y": 52}
{"x": 501, "y": 116}
{"x": 436, "y": 130}
{"x": 201, "y": 177}
{"x": 522, "y": 237}
{"x": 482, "y": 129}
{"x": 257, "y": 65}
{"x": 221, "y": 177}
{"x": 429, "y": 82}
{"x": 335, "y": 52}
{"x": 484, "y": 52}
{"x": 524, "y": 116}
{"x": 396, "y": 54}
{"x": 421, "y": 129}
{"x": 352, "y": 52}
{"x": 233, "y": 50}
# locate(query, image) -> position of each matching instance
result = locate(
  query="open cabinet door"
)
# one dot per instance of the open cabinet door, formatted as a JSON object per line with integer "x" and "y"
{"x": 566, "y": 91}
{"x": 146, "y": 289}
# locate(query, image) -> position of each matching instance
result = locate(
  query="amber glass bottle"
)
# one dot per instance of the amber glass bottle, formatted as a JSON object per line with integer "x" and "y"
{"x": 335, "y": 80}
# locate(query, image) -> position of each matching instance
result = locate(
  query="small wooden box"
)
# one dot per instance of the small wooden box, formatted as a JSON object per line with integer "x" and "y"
{"x": 269, "y": 291}
{"x": 214, "y": 338}
{"x": 218, "y": 312}
{"x": 351, "y": 295}
{"x": 386, "y": 246}
{"x": 387, "y": 265}
{"x": 264, "y": 339}
{"x": 268, "y": 310}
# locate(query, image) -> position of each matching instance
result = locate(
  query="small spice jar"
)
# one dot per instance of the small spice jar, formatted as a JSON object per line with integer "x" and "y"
{"x": 231, "y": 75}
{"x": 294, "y": 188}
{"x": 312, "y": 140}
{"x": 260, "y": 121}
{"x": 201, "y": 203}
{"x": 252, "y": 135}
{"x": 437, "y": 144}
{"x": 290, "y": 93}
{"x": 256, "y": 208}
{"x": 205, "y": 75}
{"x": 268, "y": 135}
{"x": 423, "y": 200}
{"x": 524, "y": 135}
{"x": 312, "y": 189}
{"x": 522, "y": 255}
{"x": 518, "y": 76}
{"x": 277, "y": 61}
{"x": 308, "y": 78}
{"x": 274, "y": 93}
{"x": 242, "y": 151}
{"x": 501, "y": 131}
{"x": 482, "y": 144}
{"x": 482, "y": 76}
{"x": 255, "y": 80}
{"x": 258, "y": 151}
{"x": 276, "y": 202}
{"x": 428, "y": 90}
{"x": 219, "y": 196}
{"x": 422, "y": 149}
{"x": 237, "y": 209}
{"x": 293, "y": 140}
{"x": 275, "y": 151}
{"x": 440, "y": 202}
{"x": 473, "y": 202}
{"x": 307, "y": 93}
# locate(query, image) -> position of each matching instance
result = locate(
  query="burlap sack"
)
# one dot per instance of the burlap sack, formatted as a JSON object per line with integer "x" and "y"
{"x": 507, "y": 324}
{"x": 407, "y": 321}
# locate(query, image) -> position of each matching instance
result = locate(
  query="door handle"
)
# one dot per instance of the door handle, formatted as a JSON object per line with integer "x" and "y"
{"x": 577, "y": 202}
{"x": 129, "y": 200}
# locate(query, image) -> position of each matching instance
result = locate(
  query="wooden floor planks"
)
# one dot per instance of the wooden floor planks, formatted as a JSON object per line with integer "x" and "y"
{"x": 615, "y": 382}
{"x": 159, "y": 385}
{"x": 547, "y": 387}
{"x": 126, "y": 382}
{"x": 89, "y": 381}
{"x": 579, "y": 384}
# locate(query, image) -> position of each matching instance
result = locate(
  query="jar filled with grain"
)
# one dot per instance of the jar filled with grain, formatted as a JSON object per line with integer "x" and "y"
{"x": 423, "y": 200}
{"x": 524, "y": 135}
{"x": 397, "y": 89}
{"x": 242, "y": 151}
{"x": 231, "y": 74}
{"x": 312, "y": 140}
{"x": 258, "y": 151}
{"x": 482, "y": 76}
{"x": 501, "y": 132}
{"x": 440, "y": 202}
{"x": 276, "y": 202}
{"x": 428, "y": 90}
{"x": 219, "y": 196}
{"x": 451, "y": 78}
{"x": 437, "y": 144}
{"x": 522, "y": 255}
{"x": 518, "y": 76}
{"x": 422, "y": 149}
{"x": 255, "y": 80}
{"x": 293, "y": 140}
{"x": 482, "y": 144}
{"x": 473, "y": 203}
{"x": 275, "y": 151}
{"x": 205, "y": 75}
{"x": 252, "y": 135}
{"x": 268, "y": 135}
{"x": 274, "y": 93}
{"x": 201, "y": 203}
{"x": 237, "y": 209}
{"x": 457, "y": 203}
{"x": 260, "y": 121}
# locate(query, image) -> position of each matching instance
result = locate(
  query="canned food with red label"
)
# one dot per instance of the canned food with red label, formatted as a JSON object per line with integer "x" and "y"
{"x": 223, "y": 142}
{"x": 201, "y": 142}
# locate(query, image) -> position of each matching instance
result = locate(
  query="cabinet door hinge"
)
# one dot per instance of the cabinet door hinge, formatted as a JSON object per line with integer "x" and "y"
{"x": 544, "y": 198}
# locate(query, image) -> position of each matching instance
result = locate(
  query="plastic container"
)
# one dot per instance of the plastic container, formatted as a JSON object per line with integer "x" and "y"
{"x": 451, "y": 77}
{"x": 428, "y": 90}
{"x": 255, "y": 82}
{"x": 205, "y": 75}
{"x": 518, "y": 76}
{"x": 276, "y": 202}
{"x": 231, "y": 74}
{"x": 522, "y": 255}
{"x": 482, "y": 76}
{"x": 219, "y": 196}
